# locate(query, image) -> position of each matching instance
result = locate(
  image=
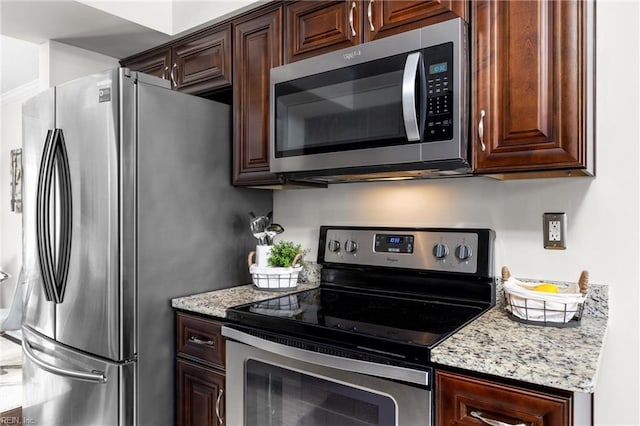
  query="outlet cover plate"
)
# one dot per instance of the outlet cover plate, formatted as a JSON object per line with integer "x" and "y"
{"x": 554, "y": 231}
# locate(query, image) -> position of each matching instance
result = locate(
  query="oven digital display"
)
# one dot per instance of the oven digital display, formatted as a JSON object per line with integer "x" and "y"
{"x": 393, "y": 243}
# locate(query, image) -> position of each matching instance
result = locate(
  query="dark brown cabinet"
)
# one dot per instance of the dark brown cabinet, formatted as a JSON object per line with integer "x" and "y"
{"x": 156, "y": 63}
{"x": 529, "y": 85}
{"x": 257, "y": 49}
{"x": 200, "y": 371}
{"x": 313, "y": 28}
{"x": 462, "y": 400}
{"x": 200, "y": 395}
{"x": 197, "y": 64}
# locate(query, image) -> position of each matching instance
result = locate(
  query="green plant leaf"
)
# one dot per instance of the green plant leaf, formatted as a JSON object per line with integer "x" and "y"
{"x": 283, "y": 253}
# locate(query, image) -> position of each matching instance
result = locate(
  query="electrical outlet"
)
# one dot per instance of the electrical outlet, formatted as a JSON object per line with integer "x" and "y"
{"x": 554, "y": 228}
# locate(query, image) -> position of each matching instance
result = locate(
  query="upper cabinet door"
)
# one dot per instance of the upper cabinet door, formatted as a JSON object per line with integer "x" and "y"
{"x": 316, "y": 27}
{"x": 203, "y": 62}
{"x": 257, "y": 49}
{"x": 530, "y": 73}
{"x": 156, "y": 63}
{"x": 382, "y": 18}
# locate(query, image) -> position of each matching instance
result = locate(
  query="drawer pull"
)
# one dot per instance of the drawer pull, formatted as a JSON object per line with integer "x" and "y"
{"x": 220, "y": 419}
{"x": 492, "y": 422}
{"x": 200, "y": 341}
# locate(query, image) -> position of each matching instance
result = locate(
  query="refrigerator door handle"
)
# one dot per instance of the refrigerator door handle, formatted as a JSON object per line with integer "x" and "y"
{"x": 91, "y": 377}
{"x": 64, "y": 190}
{"x": 54, "y": 160}
{"x": 43, "y": 237}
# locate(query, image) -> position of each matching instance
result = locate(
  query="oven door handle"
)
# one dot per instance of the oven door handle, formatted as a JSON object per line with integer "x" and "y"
{"x": 403, "y": 374}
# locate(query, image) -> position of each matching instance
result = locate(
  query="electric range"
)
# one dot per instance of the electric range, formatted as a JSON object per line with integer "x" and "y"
{"x": 385, "y": 292}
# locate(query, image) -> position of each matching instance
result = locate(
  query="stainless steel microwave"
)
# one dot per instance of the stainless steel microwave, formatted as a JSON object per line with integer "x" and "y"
{"x": 393, "y": 108}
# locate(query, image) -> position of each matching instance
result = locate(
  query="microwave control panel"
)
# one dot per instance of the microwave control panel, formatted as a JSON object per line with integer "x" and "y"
{"x": 439, "y": 76}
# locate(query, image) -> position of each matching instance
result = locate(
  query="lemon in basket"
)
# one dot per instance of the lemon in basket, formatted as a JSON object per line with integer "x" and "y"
{"x": 546, "y": 288}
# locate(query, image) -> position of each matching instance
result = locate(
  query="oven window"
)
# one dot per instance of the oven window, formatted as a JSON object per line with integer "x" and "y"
{"x": 277, "y": 396}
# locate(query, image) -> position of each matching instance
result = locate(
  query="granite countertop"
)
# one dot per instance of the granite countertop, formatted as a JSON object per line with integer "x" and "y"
{"x": 562, "y": 358}
{"x": 215, "y": 303}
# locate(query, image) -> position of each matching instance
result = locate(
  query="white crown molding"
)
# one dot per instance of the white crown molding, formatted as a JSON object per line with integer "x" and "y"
{"x": 30, "y": 88}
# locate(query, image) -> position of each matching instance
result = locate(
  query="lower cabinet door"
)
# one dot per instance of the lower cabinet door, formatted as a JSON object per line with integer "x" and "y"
{"x": 200, "y": 395}
{"x": 463, "y": 400}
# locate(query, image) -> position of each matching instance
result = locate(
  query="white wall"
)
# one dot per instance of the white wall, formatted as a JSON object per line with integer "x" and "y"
{"x": 603, "y": 213}
{"x": 10, "y": 222}
{"x": 61, "y": 62}
{"x": 57, "y": 63}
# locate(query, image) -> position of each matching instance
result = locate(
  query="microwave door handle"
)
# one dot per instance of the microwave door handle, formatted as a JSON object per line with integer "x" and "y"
{"x": 409, "y": 112}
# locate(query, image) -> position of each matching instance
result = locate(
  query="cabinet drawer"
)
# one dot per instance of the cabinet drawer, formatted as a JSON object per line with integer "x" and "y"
{"x": 461, "y": 400}
{"x": 200, "y": 339}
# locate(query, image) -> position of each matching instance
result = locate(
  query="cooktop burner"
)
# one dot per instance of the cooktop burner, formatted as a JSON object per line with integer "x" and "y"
{"x": 406, "y": 320}
{"x": 394, "y": 292}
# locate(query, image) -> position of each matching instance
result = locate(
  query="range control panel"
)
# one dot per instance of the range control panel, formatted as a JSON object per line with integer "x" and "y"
{"x": 461, "y": 250}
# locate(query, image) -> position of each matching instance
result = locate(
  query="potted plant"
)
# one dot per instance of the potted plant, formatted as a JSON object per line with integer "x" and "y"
{"x": 284, "y": 264}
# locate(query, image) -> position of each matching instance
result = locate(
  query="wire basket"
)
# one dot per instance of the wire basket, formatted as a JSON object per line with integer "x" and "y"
{"x": 275, "y": 278}
{"x": 545, "y": 309}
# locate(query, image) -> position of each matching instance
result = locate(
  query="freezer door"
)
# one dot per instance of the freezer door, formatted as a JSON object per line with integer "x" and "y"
{"x": 88, "y": 312}
{"x": 37, "y": 125}
{"x": 64, "y": 387}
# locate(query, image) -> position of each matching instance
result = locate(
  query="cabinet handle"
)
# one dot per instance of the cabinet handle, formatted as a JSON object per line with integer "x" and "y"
{"x": 481, "y": 131}
{"x": 200, "y": 341}
{"x": 218, "y": 399}
{"x": 353, "y": 30}
{"x": 173, "y": 79}
{"x": 491, "y": 421}
{"x": 371, "y": 27}
{"x": 164, "y": 74}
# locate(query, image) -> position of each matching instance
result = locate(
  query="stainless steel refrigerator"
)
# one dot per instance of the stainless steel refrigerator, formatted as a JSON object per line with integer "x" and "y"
{"x": 127, "y": 204}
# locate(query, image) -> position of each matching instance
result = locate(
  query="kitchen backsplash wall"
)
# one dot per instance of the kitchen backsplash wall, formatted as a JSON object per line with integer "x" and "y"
{"x": 513, "y": 209}
{"x": 603, "y": 214}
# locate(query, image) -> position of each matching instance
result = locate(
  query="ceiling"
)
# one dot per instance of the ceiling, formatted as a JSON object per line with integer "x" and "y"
{"x": 79, "y": 24}
{"x": 76, "y": 24}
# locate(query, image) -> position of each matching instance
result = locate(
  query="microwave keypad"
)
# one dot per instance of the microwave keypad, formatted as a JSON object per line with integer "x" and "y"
{"x": 439, "y": 123}
{"x": 439, "y": 67}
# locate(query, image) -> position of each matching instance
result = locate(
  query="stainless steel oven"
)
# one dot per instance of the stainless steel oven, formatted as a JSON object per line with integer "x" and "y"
{"x": 394, "y": 107}
{"x": 356, "y": 350}
{"x": 285, "y": 385}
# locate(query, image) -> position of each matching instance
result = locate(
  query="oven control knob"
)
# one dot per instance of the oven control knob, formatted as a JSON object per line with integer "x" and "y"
{"x": 334, "y": 246}
{"x": 351, "y": 246}
{"x": 463, "y": 252}
{"x": 440, "y": 251}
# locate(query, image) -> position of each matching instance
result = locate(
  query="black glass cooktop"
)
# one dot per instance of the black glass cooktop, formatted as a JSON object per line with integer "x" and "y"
{"x": 403, "y": 326}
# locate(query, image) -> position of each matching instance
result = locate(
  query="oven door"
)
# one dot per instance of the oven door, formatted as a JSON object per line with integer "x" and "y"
{"x": 269, "y": 383}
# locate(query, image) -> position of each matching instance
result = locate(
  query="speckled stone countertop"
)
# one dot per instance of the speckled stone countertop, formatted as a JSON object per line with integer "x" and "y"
{"x": 215, "y": 303}
{"x": 562, "y": 358}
